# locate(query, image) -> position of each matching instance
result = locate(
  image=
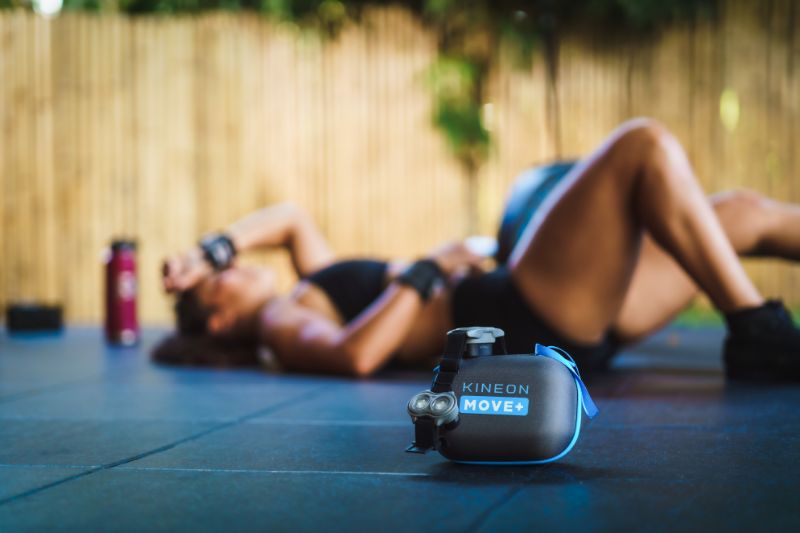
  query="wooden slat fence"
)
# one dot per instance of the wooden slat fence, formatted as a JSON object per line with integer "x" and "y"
{"x": 163, "y": 128}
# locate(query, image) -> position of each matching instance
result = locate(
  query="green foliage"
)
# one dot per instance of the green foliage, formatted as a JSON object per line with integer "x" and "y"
{"x": 645, "y": 15}
{"x": 475, "y": 31}
{"x": 455, "y": 82}
{"x": 87, "y": 5}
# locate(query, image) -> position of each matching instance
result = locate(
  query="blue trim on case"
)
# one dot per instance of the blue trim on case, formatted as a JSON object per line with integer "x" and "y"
{"x": 584, "y": 402}
{"x": 557, "y": 354}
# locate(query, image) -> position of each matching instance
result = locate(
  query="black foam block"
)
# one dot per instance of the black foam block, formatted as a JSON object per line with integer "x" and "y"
{"x": 34, "y": 317}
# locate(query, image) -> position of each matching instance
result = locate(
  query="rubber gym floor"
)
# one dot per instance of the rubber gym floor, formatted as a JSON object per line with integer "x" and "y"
{"x": 101, "y": 439}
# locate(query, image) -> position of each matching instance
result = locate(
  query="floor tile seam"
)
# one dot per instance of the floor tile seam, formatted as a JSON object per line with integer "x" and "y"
{"x": 247, "y": 386}
{"x": 734, "y": 430}
{"x": 288, "y": 402}
{"x": 740, "y": 429}
{"x": 323, "y": 422}
{"x": 221, "y": 420}
{"x": 273, "y": 471}
{"x": 319, "y": 422}
{"x": 108, "y": 466}
{"x": 484, "y": 517}
{"x": 47, "y": 486}
{"x": 187, "y": 420}
{"x": 45, "y": 466}
{"x": 487, "y": 513}
{"x": 208, "y": 431}
{"x": 148, "y": 453}
{"x": 11, "y": 398}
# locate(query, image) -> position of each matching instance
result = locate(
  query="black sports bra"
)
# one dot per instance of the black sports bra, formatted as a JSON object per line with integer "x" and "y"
{"x": 351, "y": 285}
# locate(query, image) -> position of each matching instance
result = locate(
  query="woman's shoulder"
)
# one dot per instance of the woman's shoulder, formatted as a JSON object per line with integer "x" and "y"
{"x": 280, "y": 311}
{"x": 285, "y": 327}
{"x": 308, "y": 295}
{"x": 286, "y": 316}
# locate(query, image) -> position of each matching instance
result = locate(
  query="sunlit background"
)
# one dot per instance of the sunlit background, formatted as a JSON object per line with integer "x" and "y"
{"x": 397, "y": 125}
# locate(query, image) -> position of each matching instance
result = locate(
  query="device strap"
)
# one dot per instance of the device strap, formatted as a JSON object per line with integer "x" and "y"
{"x": 500, "y": 346}
{"x": 557, "y": 354}
{"x": 445, "y": 373}
{"x": 425, "y": 435}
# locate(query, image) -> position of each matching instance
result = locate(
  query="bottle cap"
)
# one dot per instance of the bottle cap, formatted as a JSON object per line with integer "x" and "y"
{"x": 118, "y": 245}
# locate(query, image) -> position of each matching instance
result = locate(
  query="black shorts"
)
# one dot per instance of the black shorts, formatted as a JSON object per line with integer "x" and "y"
{"x": 492, "y": 299}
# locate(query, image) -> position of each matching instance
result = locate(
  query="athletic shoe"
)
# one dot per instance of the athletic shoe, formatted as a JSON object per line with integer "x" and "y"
{"x": 763, "y": 344}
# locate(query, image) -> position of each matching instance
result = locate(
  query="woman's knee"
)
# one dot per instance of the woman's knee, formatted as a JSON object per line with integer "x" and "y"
{"x": 742, "y": 203}
{"x": 645, "y": 132}
{"x": 660, "y": 155}
{"x": 640, "y": 140}
{"x": 638, "y": 147}
{"x": 745, "y": 216}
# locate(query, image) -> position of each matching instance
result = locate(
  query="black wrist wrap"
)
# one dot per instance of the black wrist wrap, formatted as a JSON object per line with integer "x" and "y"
{"x": 218, "y": 250}
{"x": 422, "y": 277}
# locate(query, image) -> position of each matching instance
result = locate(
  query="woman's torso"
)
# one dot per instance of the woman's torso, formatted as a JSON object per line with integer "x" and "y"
{"x": 427, "y": 333}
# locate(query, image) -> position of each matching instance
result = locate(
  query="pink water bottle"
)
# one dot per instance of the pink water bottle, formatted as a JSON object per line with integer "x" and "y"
{"x": 122, "y": 328}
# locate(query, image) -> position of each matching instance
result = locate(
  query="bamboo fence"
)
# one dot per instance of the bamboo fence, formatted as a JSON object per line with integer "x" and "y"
{"x": 163, "y": 128}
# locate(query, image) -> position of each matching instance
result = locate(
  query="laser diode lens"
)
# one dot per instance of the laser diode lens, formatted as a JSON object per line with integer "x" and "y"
{"x": 421, "y": 403}
{"x": 440, "y": 405}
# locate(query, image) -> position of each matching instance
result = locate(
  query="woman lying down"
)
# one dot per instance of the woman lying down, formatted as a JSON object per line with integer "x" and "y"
{"x": 616, "y": 250}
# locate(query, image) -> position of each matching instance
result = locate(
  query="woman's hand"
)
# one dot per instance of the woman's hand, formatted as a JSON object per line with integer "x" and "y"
{"x": 185, "y": 271}
{"x": 456, "y": 258}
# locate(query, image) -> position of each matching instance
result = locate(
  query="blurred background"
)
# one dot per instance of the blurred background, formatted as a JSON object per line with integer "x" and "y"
{"x": 398, "y": 125}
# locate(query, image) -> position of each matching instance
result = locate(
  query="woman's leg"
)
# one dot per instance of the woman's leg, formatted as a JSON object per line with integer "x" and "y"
{"x": 576, "y": 261}
{"x": 660, "y": 288}
{"x": 759, "y": 226}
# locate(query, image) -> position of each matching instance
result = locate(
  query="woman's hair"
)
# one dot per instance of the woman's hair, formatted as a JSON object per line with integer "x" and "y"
{"x": 191, "y": 316}
{"x": 192, "y": 344}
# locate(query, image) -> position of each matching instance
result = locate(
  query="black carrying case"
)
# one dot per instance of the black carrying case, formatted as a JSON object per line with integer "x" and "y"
{"x": 512, "y": 409}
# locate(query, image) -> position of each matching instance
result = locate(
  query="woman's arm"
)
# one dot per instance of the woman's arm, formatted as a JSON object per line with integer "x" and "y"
{"x": 312, "y": 343}
{"x": 309, "y": 342}
{"x": 283, "y": 225}
{"x": 287, "y": 226}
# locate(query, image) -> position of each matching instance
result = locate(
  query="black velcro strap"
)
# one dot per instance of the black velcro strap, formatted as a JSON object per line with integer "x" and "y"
{"x": 425, "y": 435}
{"x": 500, "y": 343}
{"x": 218, "y": 250}
{"x": 422, "y": 277}
{"x": 451, "y": 361}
